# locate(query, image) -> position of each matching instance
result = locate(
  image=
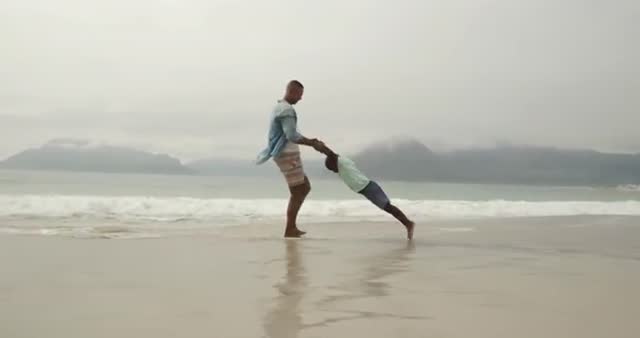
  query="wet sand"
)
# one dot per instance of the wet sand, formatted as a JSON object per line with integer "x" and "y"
{"x": 534, "y": 277}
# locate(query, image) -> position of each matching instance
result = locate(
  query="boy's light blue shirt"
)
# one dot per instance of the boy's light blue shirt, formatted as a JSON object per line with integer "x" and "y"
{"x": 351, "y": 175}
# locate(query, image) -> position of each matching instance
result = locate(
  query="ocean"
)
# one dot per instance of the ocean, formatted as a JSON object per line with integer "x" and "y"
{"x": 90, "y": 205}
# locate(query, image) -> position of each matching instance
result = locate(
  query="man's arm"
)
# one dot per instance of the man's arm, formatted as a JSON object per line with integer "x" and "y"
{"x": 311, "y": 142}
{"x": 321, "y": 147}
{"x": 290, "y": 129}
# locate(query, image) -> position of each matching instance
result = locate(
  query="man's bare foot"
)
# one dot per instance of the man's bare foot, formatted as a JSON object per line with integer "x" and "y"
{"x": 410, "y": 228}
{"x": 294, "y": 233}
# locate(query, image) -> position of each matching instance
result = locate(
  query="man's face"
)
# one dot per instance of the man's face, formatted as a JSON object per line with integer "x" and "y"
{"x": 296, "y": 94}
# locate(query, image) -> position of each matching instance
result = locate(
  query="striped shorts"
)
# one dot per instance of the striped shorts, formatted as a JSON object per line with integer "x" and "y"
{"x": 290, "y": 166}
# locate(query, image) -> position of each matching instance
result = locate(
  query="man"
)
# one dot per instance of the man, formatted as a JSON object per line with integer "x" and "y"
{"x": 283, "y": 146}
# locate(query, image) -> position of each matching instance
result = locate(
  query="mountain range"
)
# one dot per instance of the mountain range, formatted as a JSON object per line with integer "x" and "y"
{"x": 406, "y": 160}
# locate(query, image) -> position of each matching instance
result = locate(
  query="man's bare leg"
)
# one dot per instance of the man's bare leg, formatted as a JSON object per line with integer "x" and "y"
{"x": 400, "y": 216}
{"x": 298, "y": 195}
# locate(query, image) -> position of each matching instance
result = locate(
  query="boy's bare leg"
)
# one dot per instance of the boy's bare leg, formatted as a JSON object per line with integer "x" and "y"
{"x": 298, "y": 195}
{"x": 400, "y": 216}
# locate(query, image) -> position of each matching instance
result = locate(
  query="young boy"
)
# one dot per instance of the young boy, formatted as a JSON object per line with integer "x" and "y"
{"x": 359, "y": 183}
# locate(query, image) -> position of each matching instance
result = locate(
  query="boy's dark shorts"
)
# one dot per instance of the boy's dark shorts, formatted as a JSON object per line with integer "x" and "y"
{"x": 376, "y": 195}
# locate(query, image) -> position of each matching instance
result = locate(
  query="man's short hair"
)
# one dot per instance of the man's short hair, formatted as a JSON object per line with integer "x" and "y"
{"x": 295, "y": 83}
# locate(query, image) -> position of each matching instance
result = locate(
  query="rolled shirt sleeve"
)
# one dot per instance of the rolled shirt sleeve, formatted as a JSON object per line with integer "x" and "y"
{"x": 290, "y": 128}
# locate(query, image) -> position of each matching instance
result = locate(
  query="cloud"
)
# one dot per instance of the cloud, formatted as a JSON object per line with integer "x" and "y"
{"x": 197, "y": 78}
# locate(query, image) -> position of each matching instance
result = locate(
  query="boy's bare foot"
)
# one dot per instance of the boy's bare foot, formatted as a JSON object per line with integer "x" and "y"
{"x": 410, "y": 228}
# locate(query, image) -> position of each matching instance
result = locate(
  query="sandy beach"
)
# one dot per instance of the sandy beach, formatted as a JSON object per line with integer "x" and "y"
{"x": 530, "y": 277}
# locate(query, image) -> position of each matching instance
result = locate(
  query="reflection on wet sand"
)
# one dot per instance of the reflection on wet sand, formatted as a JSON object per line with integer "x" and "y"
{"x": 368, "y": 284}
{"x": 285, "y": 319}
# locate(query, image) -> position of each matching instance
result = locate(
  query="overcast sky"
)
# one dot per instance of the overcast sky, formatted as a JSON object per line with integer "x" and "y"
{"x": 197, "y": 78}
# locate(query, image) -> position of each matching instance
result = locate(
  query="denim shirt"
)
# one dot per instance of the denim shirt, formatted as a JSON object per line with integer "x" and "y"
{"x": 282, "y": 129}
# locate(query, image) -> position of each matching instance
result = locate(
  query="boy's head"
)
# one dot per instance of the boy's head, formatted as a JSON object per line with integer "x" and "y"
{"x": 332, "y": 162}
